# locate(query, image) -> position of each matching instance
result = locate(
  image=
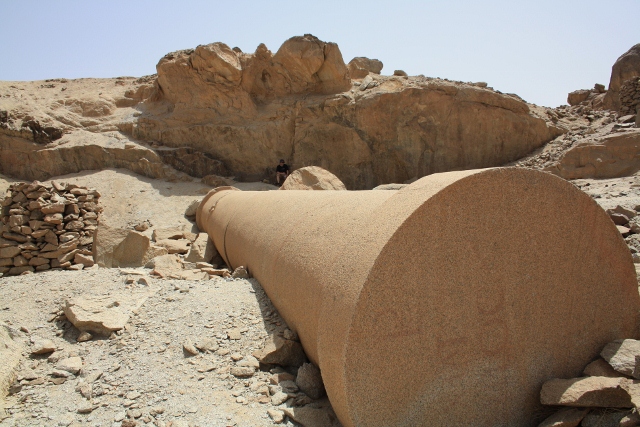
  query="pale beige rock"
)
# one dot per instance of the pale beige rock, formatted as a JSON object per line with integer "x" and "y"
{"x": 308, "y": 416}
{"x": 360, "y": 67}
{"x": 611, "y": 156}
{"x": 202, "y": 249}
{"x": 86, "y": 260}
{"x": 104, "y": 314}
{"x": 191, "y": 209}
{"x": 165, "y": 265}
{"x": 600, "y": 368}
{"x": 279, "y": 351}
{"x": 115, "y": 247}
{"x": 569, "y": 417}
{"x": 601, "y": 392}
{"x": 71, "y": 364}
{"x": 179, "y": 246}
{"x": 165, "y": 233}
{"x": 621, "y": 355}
{"x": 42, "y": 346}
{"x": 312, "y": 178}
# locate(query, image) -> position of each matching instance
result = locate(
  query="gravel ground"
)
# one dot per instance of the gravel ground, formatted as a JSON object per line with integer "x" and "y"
{"x": 145, "y": 375}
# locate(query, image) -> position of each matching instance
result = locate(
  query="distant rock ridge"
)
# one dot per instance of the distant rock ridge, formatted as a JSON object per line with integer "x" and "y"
{"x": 238, "y": 113}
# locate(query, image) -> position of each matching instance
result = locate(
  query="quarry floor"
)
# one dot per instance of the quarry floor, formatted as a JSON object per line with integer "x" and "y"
{"x": 145, "y": 374}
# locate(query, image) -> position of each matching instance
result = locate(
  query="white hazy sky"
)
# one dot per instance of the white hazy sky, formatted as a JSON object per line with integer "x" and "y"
{"x": 539, "y": 49}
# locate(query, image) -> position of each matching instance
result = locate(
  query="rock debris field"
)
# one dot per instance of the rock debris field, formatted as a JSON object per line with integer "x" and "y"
{"x": 189, "y": 352}
{"x": 146, "y": 373}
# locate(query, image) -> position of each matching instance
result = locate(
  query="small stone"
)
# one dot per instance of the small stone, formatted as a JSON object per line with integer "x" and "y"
{"x": 282, "y": 376}
{"x": 133, "y": 395}
{"x": 276, "y": 415}
{"x": 42, "y": 346}
{"x": 240, "y": 273}
{"x": 86, "y": 409}
{"x": 279, "y": 398}
{"x": 621, "y": 355}
{"x": 207, "y": 345}
{"x": 71, "y": 364}
{"x": 280, "y": 351}
{"x": 234, "y": 334}
{"x": 189, "y": 348}
{"x": 309, "y": 380}
{"x": 242, "y": 371}
{"x": 84, "y": 336}
{"x": 308, "y": 416}
{"x": 600, "y": 368}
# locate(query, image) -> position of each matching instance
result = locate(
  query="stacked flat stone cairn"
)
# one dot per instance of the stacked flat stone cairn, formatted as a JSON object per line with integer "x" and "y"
{"x": 448, "y": 302}
{"x": 47, "y": 226}
{"x": 630, "y": 96}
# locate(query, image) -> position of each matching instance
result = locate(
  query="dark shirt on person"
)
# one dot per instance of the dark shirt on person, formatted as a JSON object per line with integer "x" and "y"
{"x": 282, "y": 168}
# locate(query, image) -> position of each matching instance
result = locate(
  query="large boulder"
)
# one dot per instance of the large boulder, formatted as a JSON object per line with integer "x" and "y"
{"x": 117, "y": 247}
{"x": 312, "y": 178}
{"x": 313, "y": 65}
{"x": 626, "y": 67}
{"x": 360, "y": 67}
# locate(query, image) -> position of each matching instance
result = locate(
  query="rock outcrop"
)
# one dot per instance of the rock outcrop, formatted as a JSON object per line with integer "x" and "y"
{"x": 312, "y": 178}
{"x": 360, "y": 67}
{"x": 625, "y": 68}
{"x": 612, "y": 156}
{"x": 248, "y": 110}
{"x": 216, "y": 110}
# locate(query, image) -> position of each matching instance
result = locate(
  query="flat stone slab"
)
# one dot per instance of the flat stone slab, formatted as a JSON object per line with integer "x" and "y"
{"x": 104, "y": 314}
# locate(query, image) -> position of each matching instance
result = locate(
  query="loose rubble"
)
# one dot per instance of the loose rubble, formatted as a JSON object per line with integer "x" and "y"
{"x": 619, "y": 396}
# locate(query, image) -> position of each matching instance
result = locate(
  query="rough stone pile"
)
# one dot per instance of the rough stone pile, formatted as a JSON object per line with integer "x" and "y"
{"x": 47, "y": 226}
{"x": 630, "y": 96}
{"x": 607, "y": 395}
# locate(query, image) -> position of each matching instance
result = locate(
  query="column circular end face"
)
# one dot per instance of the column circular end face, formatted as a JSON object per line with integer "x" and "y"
{"x": 207, "y": 205}
{"x": 496, "y": 283}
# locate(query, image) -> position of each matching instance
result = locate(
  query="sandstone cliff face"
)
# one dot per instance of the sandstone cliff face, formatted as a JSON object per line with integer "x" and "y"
{"x": 248, "y": 110}
{"x": 217, "y": 109}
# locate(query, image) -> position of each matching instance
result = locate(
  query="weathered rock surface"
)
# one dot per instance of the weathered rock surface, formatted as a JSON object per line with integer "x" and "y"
{"x": 586, "y": 392}
{"x": 217, "y": 110}
{"x": 116, "y": 247}
{"x": 280, "y": 351}
{"x": 312, "y": 178}
{"x": 612, "y": 156}
{"x": 309, "y": 417}
{"x": 569, "y": 417}
{"x": 360, "y": 67}
{"x": 621, "y": 355}
{"x": 103, "y": 314}
{"x": 626, "y": 67}
{"x": 309, "y": 380}
{"x": 202, "y": 249}
{"x": 600, "y": 368}
{"x": 10, "y": 352}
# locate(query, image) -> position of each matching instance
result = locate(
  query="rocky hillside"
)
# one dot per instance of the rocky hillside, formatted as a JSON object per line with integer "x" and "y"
{"x": 217, "y": 110}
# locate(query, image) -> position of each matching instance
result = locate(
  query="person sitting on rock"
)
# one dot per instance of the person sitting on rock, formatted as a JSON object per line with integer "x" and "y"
{"x": 282, "y": 171}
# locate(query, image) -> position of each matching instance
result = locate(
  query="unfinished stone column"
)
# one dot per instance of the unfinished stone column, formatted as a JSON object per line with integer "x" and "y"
{"x": 448, "y": 302}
